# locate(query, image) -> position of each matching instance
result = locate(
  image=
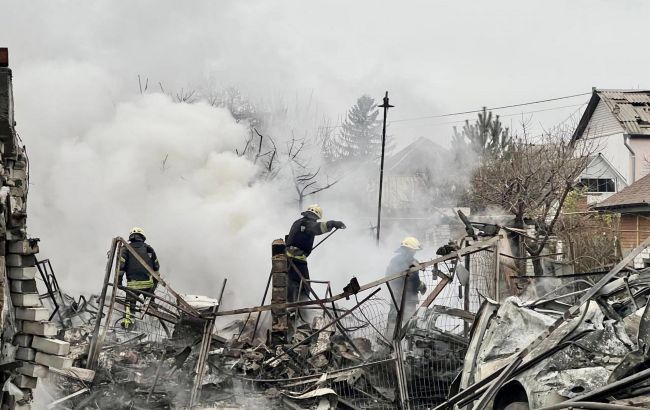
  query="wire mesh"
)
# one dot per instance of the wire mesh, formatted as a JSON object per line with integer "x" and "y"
{"x": 153, "y": 315}
{"x": 436, "y": 339}
{"x": 434, "y": 343}
{"x": 418, "y": 370}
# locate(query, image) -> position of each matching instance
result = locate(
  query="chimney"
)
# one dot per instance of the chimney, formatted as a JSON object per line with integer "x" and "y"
{"x": 6, "y": 98}
{"x": 4, "y": 57}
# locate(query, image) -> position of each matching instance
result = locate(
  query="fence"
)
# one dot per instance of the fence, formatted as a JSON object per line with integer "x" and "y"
{"x": 436, "y": 339}
{"x": 415, "y": 370}
{"x": 410, "y": 367}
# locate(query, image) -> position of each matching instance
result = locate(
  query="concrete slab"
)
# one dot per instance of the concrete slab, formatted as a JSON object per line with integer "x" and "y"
{"x": 22, "y": 273}
{"x": 40, "y": 328}
{"x": 22, "y": 247}
{"x": 23, "y": 340}
{"x": 50, "y": 360}
{"x": 32, "y": 370}
{"x": 25, "y": 382}
{"x": 32, "y": 314}
{"x": 51, "y": 346}
{"x": 26, "y": 299}
{"x": 23, "y": 286}
{"x": 26, "y": 354}
{"x": 15, "y": 260}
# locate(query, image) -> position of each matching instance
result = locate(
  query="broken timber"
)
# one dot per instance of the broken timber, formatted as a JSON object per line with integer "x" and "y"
{"x": 477, "y": 247}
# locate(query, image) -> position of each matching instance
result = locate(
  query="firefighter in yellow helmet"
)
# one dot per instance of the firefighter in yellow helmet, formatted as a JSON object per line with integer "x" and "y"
{"x": 138, "y": 279}
{"x": 300, "y": 242}
{"x": 404, "y": 259}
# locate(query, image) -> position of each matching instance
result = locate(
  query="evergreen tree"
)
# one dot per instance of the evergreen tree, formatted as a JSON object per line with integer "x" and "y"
{"x": 486, "y": 136}
{"x": 360, "y": 136}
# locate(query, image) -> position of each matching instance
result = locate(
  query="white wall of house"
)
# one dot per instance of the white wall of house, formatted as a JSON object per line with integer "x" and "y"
{"x": 612, "y": 147}
{"x": 608, "y": 133}
{"x": 603, "y": 122}
{"x": 600, "y": 169}
{"x": 605, "y": 131}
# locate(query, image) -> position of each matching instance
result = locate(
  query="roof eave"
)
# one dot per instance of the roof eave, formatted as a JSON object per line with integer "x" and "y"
{"x": 642, "y": 206}
{"x": 586, "y": 116}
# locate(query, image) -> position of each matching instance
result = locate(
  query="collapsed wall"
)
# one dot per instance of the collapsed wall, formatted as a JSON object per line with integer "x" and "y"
{"x": 29, "y": 346}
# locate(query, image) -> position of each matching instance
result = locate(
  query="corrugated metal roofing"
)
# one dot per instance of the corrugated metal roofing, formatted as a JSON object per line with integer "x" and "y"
{"x": 630, "y": 107}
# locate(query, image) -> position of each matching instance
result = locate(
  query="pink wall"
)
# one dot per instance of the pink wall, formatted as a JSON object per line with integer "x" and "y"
{"x": 641, "y": 147}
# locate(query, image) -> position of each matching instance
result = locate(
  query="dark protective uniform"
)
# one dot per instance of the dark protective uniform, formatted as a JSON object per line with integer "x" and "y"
{"x": 402, "y": 261}
{"x": 300, "y": 243}
{"x": 138, "y": 280}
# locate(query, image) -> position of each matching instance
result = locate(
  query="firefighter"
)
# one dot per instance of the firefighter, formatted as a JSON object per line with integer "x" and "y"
{"x": 404, "y": 259}
{"x": 138, "y": 279}
{"x": 300, "y": 242}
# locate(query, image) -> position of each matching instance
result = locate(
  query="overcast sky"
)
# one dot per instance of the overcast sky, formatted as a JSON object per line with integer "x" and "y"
{"x": 434, "y": 57}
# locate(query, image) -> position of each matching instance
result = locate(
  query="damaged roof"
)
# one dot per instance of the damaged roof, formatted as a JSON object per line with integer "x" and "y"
{"x": 631, "y": 108}
{"x": 635, "y": 195}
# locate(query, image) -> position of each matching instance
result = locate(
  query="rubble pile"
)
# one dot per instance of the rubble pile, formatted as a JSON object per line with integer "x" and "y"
{"x": 605, "y": 343}
{"x": 313, "y": 361}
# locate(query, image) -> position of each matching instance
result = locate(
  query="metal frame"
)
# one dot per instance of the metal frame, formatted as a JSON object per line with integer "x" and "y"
{"x": 152, "y": 305}
{"x": 52, "y": 285}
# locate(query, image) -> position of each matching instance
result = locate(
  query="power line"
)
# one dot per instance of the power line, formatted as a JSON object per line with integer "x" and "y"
{"x": 491, "y": 108}
{"x": 487, "y": 108}
{"x": 506, "y": 115}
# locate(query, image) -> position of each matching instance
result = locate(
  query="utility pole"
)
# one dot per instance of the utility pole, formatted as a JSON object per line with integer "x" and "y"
{"x": 385, "y": 106}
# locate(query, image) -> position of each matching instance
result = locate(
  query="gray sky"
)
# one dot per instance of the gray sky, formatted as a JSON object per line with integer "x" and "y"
{"x": 433, "y": 56}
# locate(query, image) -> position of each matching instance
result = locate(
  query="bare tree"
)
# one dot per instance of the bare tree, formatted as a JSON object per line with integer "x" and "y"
{"x": 274, "y": 163}
{"x": 532, "y": 182}
{"x": 306, "y": 180}
{"x": 261, "y": 150}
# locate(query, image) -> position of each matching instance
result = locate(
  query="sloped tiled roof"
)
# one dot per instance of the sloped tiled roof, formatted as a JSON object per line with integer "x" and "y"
{"x": 630, "y": 107}
{"x": 421, "y": 153}
{"x": 635, "y": 195}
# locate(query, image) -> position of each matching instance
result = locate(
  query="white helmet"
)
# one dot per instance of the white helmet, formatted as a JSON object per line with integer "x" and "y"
{"x": 411, "y": 243}
{"x": 316, "y": 210}
{"x": 136, "y": 230}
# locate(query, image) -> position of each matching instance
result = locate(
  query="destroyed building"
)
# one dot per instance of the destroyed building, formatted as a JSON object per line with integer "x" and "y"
{"x": 483, "y": 336}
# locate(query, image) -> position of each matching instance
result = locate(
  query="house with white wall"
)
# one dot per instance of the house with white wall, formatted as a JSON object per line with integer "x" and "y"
{"x": 619, "y": 123}
{"x": 420, "y": 190}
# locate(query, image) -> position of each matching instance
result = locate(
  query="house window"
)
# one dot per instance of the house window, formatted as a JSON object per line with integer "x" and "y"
{"x": 598, "y": 184}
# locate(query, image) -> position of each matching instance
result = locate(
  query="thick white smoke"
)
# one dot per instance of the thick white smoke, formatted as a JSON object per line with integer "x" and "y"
{"x": 103, "y": 160}
{"x": 170, "y": 168}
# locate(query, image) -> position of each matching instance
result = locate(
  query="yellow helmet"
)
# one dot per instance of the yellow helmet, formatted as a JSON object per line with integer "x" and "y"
{"x": 411, "y": 243}
{"x": 316, "y": 210}
{"x": 137, "y": 230}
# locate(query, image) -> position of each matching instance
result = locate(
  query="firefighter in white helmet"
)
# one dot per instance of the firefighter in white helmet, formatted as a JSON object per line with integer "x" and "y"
{"x": 404, "y": 259}
{"x": 300, "y": 242}
{"x": 138, "y": 279}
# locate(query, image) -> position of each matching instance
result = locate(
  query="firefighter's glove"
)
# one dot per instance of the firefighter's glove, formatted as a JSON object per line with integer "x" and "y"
{"x": 338, "y": 225}
{"x": 422, "y": 288}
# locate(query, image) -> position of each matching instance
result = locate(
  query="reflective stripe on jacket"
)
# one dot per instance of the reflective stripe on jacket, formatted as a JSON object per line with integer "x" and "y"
{"x": 140, "y": 284}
